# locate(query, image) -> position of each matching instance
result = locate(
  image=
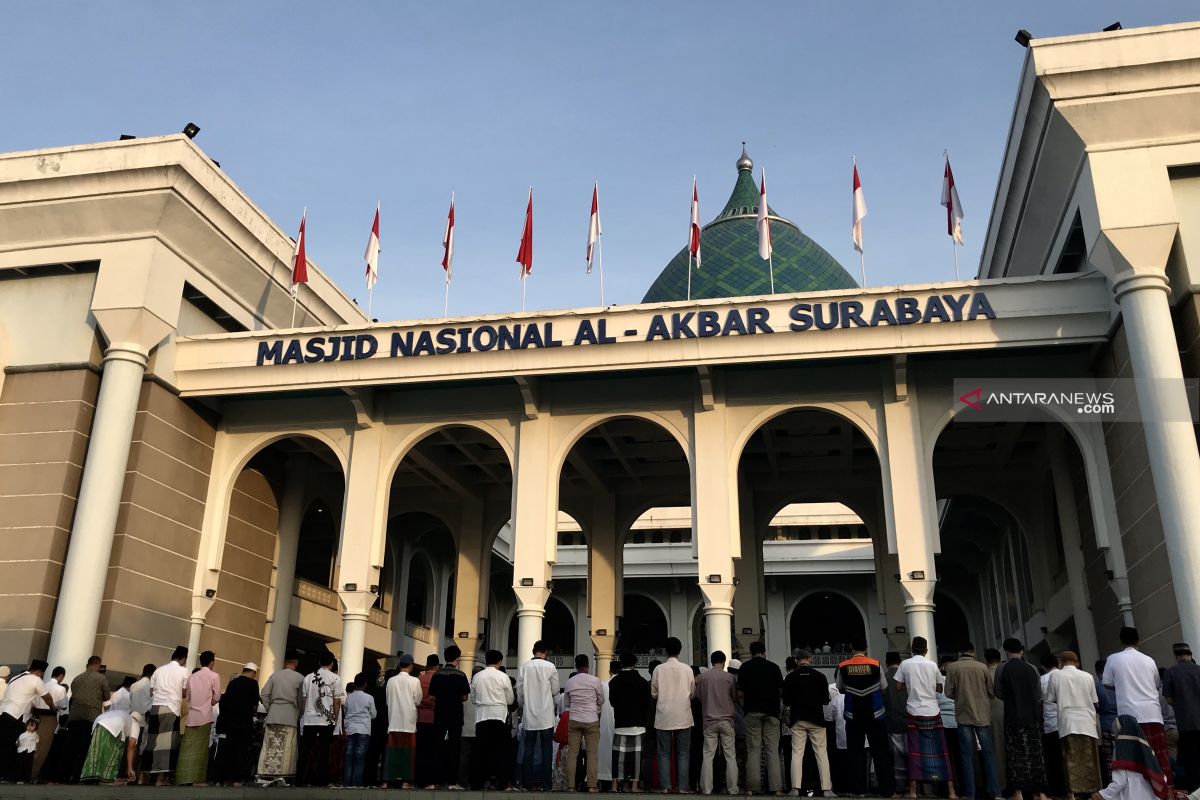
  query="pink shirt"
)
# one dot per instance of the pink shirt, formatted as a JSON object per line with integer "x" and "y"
{"x": 203, "y": 692}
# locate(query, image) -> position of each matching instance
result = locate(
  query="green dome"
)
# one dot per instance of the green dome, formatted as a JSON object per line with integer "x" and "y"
{"x": 730, "y": 266}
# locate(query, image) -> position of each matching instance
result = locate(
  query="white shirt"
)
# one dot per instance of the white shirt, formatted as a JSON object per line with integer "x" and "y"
{"x": 404, "y": 694}
{"x": 18, "y": 697}
{"x": 537, "y": 689}
{"x": 1074, "y": 693}
{"x": 921, "y": 678}
{"x": 359, "y": 711}
{"x": 57, "y": 692}
{"x": 1049, "y": 707}
{"x": 320, "y": 690}
{"x": 167, "y": 685}
{"x": 119, "y": 723}
{"x": 1127, "y": 785}
{"x": 1135, "y": 677}
{"x": 120, "y": 700}
{"x": 492, "y": 693}
{"x": 27, "y": 742}
{"x": 140, "y": 696}
{"x": 672, "y": 686}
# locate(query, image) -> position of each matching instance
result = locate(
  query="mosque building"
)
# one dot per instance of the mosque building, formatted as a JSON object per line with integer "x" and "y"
{"x": 1010, "y": 455}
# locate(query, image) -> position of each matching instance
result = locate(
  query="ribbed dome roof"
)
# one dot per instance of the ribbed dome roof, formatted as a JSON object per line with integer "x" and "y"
{"x": 730, "y": 266}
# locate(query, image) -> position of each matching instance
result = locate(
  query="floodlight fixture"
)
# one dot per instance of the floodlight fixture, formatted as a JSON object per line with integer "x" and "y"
{"x": 190, "y": 130}
{"x": 1023, "y": 37}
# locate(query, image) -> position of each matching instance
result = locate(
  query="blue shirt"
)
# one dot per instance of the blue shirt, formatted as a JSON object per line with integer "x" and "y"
{"x": 359, "y": 710}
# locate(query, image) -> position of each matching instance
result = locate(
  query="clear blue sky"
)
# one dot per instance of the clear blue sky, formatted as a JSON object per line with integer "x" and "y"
{"x": 337, "y": 105}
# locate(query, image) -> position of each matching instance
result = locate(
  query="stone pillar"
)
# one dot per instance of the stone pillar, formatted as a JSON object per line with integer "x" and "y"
{"x": 913, "y": 510}
{"x": 470, "y": 584}
{"x": 287, "y": 543}
{"x": 1068, "y": 519}
{"x": 361, "y": 547}
{"x": 604, "y": 584}
{"x": 714, "y": 518}
{"x": 1166, "y": 416}
{"x": 534, "y": 520}
{"x": 136, "y": 305}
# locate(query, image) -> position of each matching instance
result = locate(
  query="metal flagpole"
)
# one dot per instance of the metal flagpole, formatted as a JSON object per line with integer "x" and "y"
{"x": 771, "y": 268}
{"x": 862, "y": 262}
{"x": 522, "y": 287}
{"x": 294, "y": 301}
{"x": 689, "y": 292}
{"x": 449, "y": 270}
{"x": 446, "y": 300}
{"x": 600, "y": 264}
{"x": 954, "y": 244}
{"x": 370, "y": 299}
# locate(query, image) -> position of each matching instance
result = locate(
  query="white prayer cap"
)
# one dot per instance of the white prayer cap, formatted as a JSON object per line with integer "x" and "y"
{"x": 250, "y": 666}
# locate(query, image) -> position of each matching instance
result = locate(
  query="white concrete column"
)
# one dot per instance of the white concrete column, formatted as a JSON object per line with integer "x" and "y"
{"x": 470, "y": 584}
{"x": 1068, "y": 520}
{"x": 535, "y": 515}
{"x": 747, "y": 609}
{"x": 913, "y": 509}
{"x": 85, "y": 572}
{"x": 778, "y": 625}
{"x": 604, "y": 584}
{"x": 287, "y": 544}
{"x": 1168, "y": 430}
{"x": 715, "y": 521}
{"x": 361, "y": 545}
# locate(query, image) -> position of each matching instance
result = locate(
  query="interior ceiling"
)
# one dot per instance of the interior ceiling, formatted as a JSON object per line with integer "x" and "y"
{"x": 459, "y": 460}
{"x": 989, "y": 444}
{"x": 630, "y": 455}
{"x": 807, "y": 441}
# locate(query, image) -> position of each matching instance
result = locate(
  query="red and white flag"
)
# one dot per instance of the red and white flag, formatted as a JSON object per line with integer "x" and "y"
{"x": 954, "y": 209}
{"x": 694, "y": 231}
{"x": 594, "y": 230}
{"x": 372, "y": 254}
{"x": 764, "y": 223}
{"x": 860, "y": 211}
{"x": 299, "y": 261}
{"x": 525, "y": 253}
{"x": 448, "y": 242}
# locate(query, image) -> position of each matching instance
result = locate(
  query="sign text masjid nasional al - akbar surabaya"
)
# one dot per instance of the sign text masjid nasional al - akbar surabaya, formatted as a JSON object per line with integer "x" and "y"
{"x": 595, "y": 330}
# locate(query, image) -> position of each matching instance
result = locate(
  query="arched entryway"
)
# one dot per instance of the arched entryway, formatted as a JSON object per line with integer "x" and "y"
{"x": 825, "y": 622}
{"x": 643, "y": 627}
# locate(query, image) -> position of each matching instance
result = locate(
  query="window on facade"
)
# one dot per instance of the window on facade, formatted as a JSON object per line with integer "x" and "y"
{"x": 416, "y": 607}
{"x": 318, "y": 545}
{"x": 823, "y": 532}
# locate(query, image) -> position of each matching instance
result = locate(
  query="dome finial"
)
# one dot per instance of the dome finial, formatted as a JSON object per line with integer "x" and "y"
{"x": 744, "y": 163}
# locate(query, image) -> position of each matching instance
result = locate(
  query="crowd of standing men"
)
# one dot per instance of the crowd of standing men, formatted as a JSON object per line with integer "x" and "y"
{"x": 1130, "y": 731}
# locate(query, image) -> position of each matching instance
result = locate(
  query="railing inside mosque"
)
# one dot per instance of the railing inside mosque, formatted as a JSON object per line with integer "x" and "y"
{"x": 321, "y": 595}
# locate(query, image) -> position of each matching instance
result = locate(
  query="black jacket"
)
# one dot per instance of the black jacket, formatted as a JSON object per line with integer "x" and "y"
{"x": 629, "y": 695}
{"x": 805, "y": 692}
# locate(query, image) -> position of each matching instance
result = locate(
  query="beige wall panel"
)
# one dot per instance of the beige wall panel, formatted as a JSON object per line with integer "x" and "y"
{"x": 50, "y": 415}
{"x": 166, "y": 437}
{"x": 33, "y": 387}
{"x": 40, "y": 469}
{"x": 30, "y": 577}
{"x": 235, "y": 624}
{"x": 145, "y": 636}
{"x": 146, "y": 591}
{"x": 162, "y": 499}
{"x": 193, "y": 420}
{"x": 33, "y": 511}
{"x": 52, "y": 476}
{"x": 29, "y": 544}
{"x": 148, "y": 559}
{"x": 173, "y": 470}
{"x": 166, "y": 533}
{"x": 28, "y": 448}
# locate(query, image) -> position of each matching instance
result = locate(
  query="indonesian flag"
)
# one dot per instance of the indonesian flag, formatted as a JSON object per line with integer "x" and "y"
{"x": 594, "y": 231}
{"x": 372, "y": 254}
{"x": 448, "y": 243}
{"x": 954, "y": 210}
{"x": 694, "y": 234}
{"x": 860, "y": 211}
{"x": 299, "y": 261}
{"x": 525, "y": 253}
{"x": 764, "y": 224}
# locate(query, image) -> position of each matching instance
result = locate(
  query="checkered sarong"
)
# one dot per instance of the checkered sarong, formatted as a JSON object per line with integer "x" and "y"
{"x": 928, "y": 756}
{"x": 162, "y": 740}
{"x": 627, "y": 757}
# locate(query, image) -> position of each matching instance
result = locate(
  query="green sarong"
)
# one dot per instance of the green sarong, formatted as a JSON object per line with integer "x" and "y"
{"x": 192, "y": 766}
{"x": 104, "y": 757}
